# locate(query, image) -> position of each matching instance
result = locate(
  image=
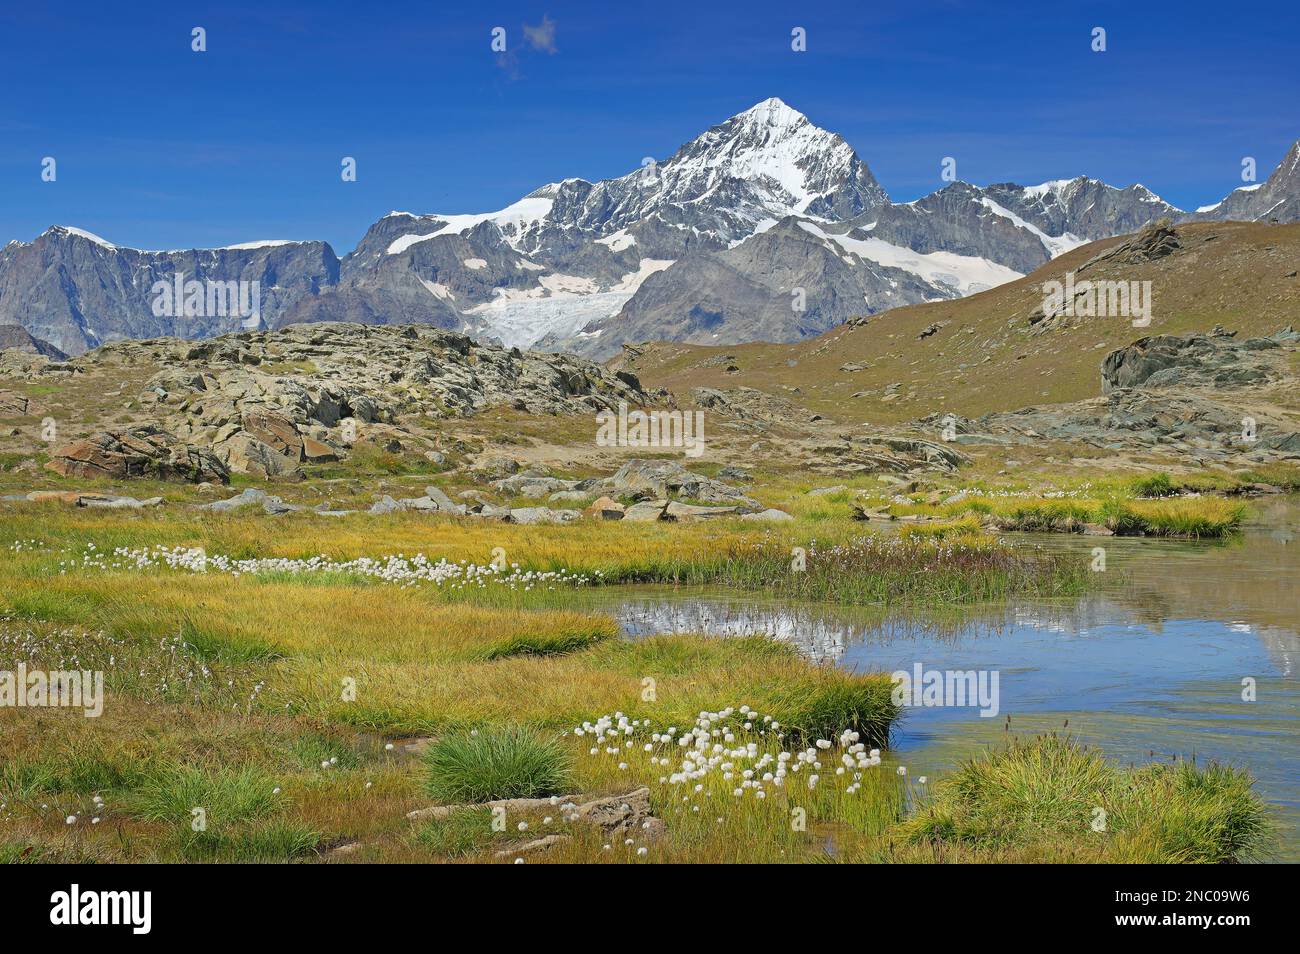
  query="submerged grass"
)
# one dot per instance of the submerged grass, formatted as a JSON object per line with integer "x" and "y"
{"x": 920, "y": 569}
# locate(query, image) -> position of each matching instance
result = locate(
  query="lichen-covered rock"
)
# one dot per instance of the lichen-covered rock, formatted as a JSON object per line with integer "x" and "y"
{"x": 1215, "y": 360}
{"x": 245, "y": 454}
{"x": 145, "y": 451}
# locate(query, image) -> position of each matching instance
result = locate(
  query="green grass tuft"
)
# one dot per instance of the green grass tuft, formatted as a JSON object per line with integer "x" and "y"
{"x": 227, "y": 796}
{"x": 499, "y": 762}
{"x": 1052, "y": 795}
{"x": 1157, "y": 485}
{"x": 461, "y": 833}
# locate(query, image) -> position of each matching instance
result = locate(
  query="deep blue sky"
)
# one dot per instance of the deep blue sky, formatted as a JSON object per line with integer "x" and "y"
{"x": 160, "y": 147}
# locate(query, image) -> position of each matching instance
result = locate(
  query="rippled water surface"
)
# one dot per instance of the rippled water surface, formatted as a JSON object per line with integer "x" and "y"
{"x": 1151, "y": 666}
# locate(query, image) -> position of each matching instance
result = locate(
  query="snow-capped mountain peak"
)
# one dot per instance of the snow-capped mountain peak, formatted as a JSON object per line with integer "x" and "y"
{"x": 725, "y": 185}
{"x": 791, "y": 166}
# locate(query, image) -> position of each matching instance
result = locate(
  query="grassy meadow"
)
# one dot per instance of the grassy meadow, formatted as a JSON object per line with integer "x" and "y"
{"x": 307, "y": 681}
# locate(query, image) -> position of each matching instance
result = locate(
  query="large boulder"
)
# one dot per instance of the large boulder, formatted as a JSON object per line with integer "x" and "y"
{"x": 1156, "y": 240}
{"x": 535, "y": 515}
{"x": 274, "y": 430}
{"x": 245, "y": 454}
{"x": 1214, "y": 360}
{"x": 529, "y": 485}
{"x": 144, "y": 451}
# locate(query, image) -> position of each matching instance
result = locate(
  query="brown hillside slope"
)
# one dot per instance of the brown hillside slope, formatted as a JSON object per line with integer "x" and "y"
{"x": 986, "y": 356}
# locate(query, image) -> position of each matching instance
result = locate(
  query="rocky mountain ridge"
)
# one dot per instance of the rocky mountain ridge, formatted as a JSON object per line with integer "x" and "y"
{"x": 709, "y": 245}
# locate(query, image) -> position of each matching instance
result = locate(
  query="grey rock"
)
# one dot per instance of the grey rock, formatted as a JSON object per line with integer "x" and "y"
{"x": 659, "y": 478}
{"x": 119, "y": 503}
{"x": 247, "y": 498}
{"x": 690, "y": 512}
{"x": 443, "y": 502}
{"x": 825, "y": 491}
{"x": 527, "y": 485}
{"x": 1197, "y": 360}
{"x": 646, "y": 511}
{"x": 536, "y": 515}
{"x": 569, "y": 495}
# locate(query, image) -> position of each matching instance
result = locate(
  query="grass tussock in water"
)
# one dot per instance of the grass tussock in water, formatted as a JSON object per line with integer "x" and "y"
{"x": 500, "y": 762}
{"x": 963, "y": 529}
{"x": 1151, "y": 514}
{"x": 1052, "y": 798}
{"x": 919, "y": 569}
{"x": 1155, "y": 485}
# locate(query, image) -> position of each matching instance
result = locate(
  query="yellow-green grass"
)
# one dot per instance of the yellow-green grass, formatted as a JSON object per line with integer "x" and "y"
{"x": 220, "y": 686}
{"x": 282, "y": 722}
{"x": 249, "y": 618}
{"x": 1050, "y": 798}
{"x": 1282, "y": 475}
{"x": 1187, "y": 517}
{"x": 151, "y": 765}
{"x": 841, "y": 560}
{"x": 966, "y": 527}
{"x": 418, "y": 664}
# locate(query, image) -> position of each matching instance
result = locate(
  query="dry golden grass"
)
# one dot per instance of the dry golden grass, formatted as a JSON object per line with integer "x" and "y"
{"x": 1230, "y": 273}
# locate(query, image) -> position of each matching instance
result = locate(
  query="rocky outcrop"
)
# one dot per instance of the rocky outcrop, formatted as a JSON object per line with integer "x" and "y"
{"x": 529, "y": 516}
{"x": 245, "y": 454}
{"x": 146, "y": 451}
{"x": 19, "y": 405}
{"x": 1203, "y": 397}
{"x": 654, "y": 479}
{"x": 1215, "y": 360}
{"x": 266, "y": 403}
{"x": 88, "y": 499}
{"x": 1154, "y": 241}
{"x": 613, "y": 815}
